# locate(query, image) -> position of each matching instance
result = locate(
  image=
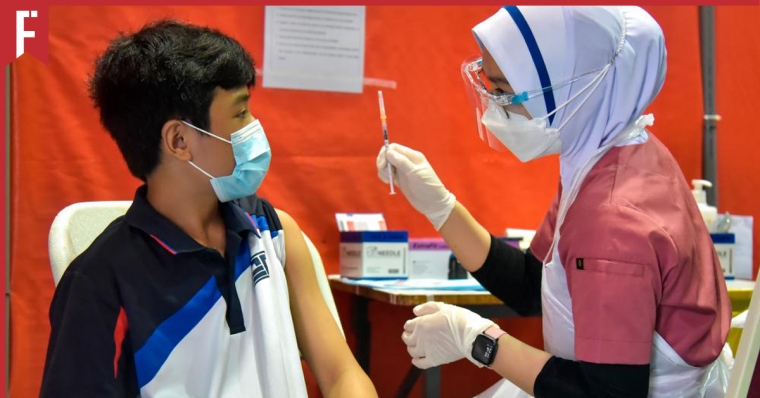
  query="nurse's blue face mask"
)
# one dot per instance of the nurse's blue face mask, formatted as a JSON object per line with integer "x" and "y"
{"x": 252, "y": 157}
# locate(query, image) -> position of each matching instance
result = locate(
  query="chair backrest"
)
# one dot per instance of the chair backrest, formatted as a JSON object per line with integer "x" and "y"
{"x": 746, "y": 355}
{"x": 77, "y": 226}
{"x": 74, "y": 229}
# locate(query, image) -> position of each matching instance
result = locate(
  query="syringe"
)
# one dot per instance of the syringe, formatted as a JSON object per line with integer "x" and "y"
{"x": 385, "y": 136}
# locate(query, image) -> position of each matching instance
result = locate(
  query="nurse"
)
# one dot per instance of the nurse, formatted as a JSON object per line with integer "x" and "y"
{"x": 622, "y": 268}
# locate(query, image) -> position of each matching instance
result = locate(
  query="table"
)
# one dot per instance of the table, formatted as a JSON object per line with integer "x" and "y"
{"x": 483, "y": 303}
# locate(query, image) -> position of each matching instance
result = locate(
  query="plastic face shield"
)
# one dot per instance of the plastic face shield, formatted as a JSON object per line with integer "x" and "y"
{"x": 482, "y": 92}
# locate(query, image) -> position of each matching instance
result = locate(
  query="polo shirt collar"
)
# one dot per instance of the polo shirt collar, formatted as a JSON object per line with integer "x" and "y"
{"x": 143, "y": 216}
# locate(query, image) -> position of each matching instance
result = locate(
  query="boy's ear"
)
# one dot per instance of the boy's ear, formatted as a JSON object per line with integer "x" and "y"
{"x": 174, "y": 140}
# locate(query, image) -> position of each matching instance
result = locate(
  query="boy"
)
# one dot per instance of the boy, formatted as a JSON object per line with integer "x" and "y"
{"x": 189, "y": 294}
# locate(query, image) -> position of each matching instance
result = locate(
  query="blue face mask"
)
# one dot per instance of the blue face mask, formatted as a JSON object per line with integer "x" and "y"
{"x": 252, "y": 157}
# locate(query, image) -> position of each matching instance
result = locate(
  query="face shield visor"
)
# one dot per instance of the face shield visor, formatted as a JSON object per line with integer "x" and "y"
{"x": 482, "y": 94}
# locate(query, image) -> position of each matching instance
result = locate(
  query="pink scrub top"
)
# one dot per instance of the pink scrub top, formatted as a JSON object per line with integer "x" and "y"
{"x": 639, "y": 260}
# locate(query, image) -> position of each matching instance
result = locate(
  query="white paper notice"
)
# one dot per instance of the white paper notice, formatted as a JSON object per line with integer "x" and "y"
{"x": 314, "y": 48}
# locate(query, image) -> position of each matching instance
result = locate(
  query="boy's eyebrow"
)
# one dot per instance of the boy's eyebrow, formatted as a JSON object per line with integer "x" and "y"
{"x": 241, "y": 98}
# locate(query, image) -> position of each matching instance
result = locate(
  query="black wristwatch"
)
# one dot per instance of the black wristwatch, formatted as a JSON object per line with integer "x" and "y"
{"x": 486, "y": 345}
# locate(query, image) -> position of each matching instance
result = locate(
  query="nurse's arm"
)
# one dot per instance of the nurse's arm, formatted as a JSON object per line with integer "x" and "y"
{"x": 519, "y": 362}
{"x": 507, "y": 272}
{"x": 319, "y": 339}
{"x": 468, "y": 240}
{"x": 545, "y": 376}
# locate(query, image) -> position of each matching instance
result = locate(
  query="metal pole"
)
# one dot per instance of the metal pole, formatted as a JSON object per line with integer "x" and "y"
{"x": 711, "y": 117}
{"x": 7, "y": 225}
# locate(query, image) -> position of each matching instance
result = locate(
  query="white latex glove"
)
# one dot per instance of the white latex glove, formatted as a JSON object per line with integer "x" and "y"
{"x": 418, "y": 182}
{"x": 442, "y": 333}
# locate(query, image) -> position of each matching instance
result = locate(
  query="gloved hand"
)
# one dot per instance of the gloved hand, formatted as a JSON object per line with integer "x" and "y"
{"x": 418, "y": 182}
{"x": 442, "y": 333}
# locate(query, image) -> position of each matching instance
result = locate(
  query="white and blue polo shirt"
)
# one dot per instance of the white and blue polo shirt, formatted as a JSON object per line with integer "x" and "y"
{"x": 148, "y": 311}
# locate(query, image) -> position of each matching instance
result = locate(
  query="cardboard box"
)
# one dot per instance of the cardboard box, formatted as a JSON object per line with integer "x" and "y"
{"x": 374, "y": 254}
{"x": 428, "y": 258}
{"x": 724, "y": 246}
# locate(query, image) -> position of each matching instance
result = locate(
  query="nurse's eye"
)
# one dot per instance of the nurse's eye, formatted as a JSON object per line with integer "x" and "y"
{"x": 504, "y": 95}
{"x": 242, "y": 114}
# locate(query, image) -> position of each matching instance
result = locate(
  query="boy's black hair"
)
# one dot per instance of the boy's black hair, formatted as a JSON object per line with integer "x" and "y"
{"x": 167, "y": 70}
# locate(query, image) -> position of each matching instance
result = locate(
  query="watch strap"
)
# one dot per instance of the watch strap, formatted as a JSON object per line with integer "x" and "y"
{"x": 494, "y": 332}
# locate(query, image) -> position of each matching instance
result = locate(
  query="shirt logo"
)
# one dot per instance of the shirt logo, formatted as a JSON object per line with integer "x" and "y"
{"x": 260, "y": 267}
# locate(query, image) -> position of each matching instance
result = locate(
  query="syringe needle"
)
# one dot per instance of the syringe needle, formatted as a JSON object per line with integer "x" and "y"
{"x": 385, "y": 137}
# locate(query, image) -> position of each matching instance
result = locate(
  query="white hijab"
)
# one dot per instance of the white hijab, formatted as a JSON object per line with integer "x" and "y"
{"x": 570, "y": 41}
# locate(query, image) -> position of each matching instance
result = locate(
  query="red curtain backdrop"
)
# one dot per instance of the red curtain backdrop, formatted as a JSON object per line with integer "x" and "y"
{"x": 324, "y": 147}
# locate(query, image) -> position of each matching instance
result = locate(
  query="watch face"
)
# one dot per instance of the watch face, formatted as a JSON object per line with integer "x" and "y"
{"x": 484, "y": 349}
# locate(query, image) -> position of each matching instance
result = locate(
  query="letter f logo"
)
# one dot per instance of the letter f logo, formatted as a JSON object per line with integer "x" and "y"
{"x": 21, "y": 34}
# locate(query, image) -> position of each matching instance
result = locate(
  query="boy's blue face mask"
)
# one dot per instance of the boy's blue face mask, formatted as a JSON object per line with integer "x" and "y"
{"x": 252, "y": 157}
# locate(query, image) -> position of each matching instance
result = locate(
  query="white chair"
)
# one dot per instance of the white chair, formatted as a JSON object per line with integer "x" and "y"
{"x": 749, "y": 345}
{"x": 76, "y": 226}
{"x": 74, "y": 229}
